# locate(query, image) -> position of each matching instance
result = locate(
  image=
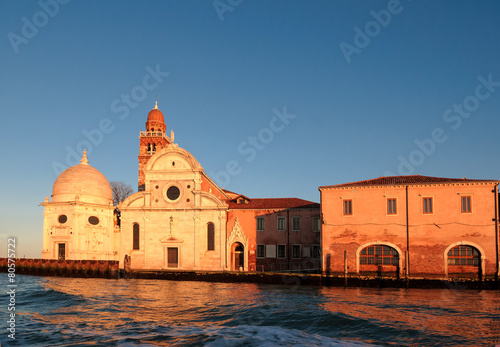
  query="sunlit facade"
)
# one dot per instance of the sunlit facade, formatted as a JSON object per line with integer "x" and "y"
{"x": 178, "y": 220}
{"x": 79, "y": 222}
{"x": 416, "y": 225}
{"x": 182, "y": 220}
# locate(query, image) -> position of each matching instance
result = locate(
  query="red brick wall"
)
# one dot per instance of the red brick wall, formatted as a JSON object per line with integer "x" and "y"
{"x": 430, "y": 235}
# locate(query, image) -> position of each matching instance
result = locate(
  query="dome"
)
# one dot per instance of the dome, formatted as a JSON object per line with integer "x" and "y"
{"x": 84, "y": 183}
{"x": 155, "y": 115}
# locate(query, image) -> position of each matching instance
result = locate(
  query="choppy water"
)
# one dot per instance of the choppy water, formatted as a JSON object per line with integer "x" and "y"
{"x": 99, "y": 312}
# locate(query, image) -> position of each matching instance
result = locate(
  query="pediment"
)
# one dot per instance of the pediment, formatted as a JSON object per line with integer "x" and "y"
{"x": 237, "y": 234}
{"x": 134, "y": 200}
{"x": 171, "y": 159}
{"x": 171, "y": 239}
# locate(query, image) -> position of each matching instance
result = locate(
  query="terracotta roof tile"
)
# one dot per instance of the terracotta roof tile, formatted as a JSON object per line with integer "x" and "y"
{"x": 273, "y": 203}
{"x": 410, "y": 179}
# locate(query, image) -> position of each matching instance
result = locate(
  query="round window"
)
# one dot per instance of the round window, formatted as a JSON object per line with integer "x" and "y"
{"x": 63, "y": 219}
{"x": 173, "y": 193}
{"x": 93, "y": 220}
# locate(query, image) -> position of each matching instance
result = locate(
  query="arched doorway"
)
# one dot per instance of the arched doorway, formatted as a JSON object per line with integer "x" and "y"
{"x": 379, "y": 258}
{"x": 463, "y": 259}
{"x": 237, "y": 257}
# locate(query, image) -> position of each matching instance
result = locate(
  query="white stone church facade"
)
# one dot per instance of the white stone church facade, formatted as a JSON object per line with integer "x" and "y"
{"x": 177, "y": 220}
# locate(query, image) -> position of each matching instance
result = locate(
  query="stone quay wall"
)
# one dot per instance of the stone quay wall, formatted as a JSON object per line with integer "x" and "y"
{"x": 63, "y": 268}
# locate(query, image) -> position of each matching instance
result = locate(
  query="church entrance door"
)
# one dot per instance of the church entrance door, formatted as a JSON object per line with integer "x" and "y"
{"x": 61, "y": 251}
{"x": 173, "y": 257}
{"x": 238, "y": 257}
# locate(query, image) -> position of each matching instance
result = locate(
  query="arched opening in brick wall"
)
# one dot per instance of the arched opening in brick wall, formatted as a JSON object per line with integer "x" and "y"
{"x": 464, "y": 259}
{"x": 379, "y": 258}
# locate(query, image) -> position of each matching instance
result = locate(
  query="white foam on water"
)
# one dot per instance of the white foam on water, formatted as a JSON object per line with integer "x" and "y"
{"x": 249, "y": 335}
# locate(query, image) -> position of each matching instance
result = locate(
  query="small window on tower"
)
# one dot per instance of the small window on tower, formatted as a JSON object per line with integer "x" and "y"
{"x": 63, "y": 219}
{"x": 151, "y": 149}
{"x": 93, "y": 220}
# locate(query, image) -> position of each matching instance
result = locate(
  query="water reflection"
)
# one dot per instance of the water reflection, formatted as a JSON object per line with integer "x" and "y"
{"x": 419, "y": 314}
{"x": 164, "y": 302}
{"x": 72, "y": 311}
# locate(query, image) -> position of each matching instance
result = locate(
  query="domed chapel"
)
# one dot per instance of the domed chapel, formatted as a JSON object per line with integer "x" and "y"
{"x": 78, "y": 222}
{"x": 178, "y": 219}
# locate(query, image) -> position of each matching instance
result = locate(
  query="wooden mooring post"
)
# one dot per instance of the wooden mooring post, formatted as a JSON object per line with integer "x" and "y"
{"x": 345, "y": 268}
{"x": 407, "y": 263}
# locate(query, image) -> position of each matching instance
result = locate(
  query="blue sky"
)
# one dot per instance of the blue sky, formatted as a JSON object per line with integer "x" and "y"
{"x": 428, "y": 74}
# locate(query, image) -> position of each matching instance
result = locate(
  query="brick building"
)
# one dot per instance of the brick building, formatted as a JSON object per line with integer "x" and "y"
{"x": 420, "y": 225}
{"x": 281, "y": 234}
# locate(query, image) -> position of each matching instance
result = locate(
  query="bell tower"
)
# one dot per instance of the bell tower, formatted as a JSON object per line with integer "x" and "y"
{"x": 151, "y": 140}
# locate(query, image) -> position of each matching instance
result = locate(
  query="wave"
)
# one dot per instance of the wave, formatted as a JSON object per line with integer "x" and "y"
{"x": 89, "y": 312}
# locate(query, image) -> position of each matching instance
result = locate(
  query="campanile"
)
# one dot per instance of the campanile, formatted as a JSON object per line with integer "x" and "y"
{"x": 151, "y": 140}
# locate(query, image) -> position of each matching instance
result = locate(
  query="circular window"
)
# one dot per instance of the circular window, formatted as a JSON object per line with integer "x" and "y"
{"x": 173, "y": 193}
{"x": 189, "y": 186}
{"x": 93, "y": 220}
{"x": 157, "y": 187}
{"x": 63, "y": 219}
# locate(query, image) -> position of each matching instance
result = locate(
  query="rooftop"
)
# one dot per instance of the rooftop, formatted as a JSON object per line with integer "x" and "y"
{"x": 409, "y": 179}
{"x": 272, "y": 203}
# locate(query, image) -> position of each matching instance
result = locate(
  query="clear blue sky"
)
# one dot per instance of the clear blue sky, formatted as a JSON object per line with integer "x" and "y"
{"x": 65, "y": 69}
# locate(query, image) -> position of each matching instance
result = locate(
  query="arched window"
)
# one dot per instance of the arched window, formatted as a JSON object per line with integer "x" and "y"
{"x": 463, "y": 255}
{"x": 136, "y": 236}
{"x": 211, "y": 236}
{"x": 379, "y": 255}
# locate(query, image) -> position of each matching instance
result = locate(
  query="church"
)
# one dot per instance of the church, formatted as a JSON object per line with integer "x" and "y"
{"x": 178, "y": 219}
